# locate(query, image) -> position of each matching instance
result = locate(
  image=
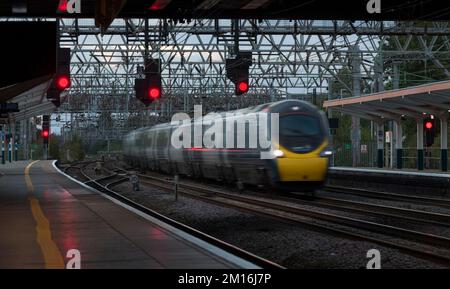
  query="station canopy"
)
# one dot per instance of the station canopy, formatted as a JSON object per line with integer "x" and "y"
{"x": 432, "y": 10}
{"x": 411, "y": 102}
{"x": 30, "y": 97}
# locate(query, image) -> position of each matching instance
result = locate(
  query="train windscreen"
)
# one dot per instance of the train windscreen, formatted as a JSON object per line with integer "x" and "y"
{"x": 301, "y": 133}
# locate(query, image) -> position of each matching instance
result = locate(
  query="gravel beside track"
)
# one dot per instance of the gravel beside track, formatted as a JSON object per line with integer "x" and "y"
{"x": 289, "y": 245}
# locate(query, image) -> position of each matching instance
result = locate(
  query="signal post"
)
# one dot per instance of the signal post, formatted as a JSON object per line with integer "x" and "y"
{"x": 444, "y": 146}
{"x": 45, "y": 134}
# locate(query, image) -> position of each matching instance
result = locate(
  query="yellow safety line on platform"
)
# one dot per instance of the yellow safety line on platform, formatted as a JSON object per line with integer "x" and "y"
{"x": 52, "y": 255}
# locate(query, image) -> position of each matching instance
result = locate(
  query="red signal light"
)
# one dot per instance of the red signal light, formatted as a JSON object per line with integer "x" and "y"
{"x": 62, "y": 82}
{"x": 154, "y": 93}
{"x": 62, "y": 6}
{"x": 243, "y": 86}
{"x": 155, "y": 6}
{"x": 429, "y": 125}
{"x": 45, "y": 133}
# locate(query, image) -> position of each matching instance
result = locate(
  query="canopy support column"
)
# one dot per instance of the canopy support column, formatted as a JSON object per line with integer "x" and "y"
{"x": 399, "y": 143}
{"x": 444, "y": 146}
{"x": 420, "y": 144}
{"x": 356, "y": 62}
{"x": 380, "y": 144}
{"x": 3, "y": 143}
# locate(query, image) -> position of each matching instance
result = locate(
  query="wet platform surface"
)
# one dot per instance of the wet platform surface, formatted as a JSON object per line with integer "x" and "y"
{"x": 44, "y": 215}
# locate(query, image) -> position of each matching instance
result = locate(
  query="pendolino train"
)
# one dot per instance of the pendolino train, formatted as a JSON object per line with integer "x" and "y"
{"x": 300, "y": 161}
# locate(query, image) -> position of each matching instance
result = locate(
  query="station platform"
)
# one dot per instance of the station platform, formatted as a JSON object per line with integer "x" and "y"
{"x": 429, "y": 183}
{"x": 44, "y": 216}
{"x": 405, "y": 172}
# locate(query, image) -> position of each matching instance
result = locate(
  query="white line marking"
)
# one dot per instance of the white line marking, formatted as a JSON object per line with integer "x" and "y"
{"x": 438, "y": 175}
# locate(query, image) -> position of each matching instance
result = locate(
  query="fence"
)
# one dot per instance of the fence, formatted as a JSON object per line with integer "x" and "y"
{"x": 344, "y": 157}
{"x": 432, "y": 158}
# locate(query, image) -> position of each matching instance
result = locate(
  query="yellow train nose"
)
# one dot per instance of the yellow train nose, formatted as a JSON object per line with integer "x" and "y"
{"x": 304, "y": 169}
{"x": 310, "y": 167}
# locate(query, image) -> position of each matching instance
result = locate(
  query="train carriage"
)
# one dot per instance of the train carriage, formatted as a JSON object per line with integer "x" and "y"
{"x": 300, "y": 162}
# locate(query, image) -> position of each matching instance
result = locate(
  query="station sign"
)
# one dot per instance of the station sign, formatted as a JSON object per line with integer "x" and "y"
{"x": 380, "y": 136}
{"x": 9, "y": 107}
{"x": 364, "y": 149}
{"x": 388, "y": 136}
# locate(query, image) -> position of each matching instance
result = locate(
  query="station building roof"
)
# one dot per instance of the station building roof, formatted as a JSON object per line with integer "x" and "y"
{"x": 414, "y": 102}
{"x": 31, "y": 97}
{"x": 432, "y": 10}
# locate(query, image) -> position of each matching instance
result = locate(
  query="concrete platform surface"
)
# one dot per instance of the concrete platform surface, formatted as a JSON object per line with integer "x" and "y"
{"x": 404, "y": 172}
{"x": 44, "y": 215}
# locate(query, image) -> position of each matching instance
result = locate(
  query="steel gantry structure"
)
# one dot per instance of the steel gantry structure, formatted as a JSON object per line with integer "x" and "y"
{"x": 296, "y": 58}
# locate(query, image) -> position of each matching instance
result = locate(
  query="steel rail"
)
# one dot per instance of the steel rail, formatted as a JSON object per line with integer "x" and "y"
{"x": 118, "y": 179}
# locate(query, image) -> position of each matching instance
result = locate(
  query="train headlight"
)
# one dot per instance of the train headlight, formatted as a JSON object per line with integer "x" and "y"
{"x": 278, "y": 153}
{"x": 326, "y": 153}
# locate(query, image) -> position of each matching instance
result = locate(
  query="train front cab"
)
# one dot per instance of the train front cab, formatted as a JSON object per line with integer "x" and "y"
{"x": 303, "y": 153}
{"x": 301, "y": 172}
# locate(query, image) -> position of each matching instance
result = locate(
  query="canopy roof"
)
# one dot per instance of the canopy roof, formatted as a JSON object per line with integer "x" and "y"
{"x": 412, "y": 102}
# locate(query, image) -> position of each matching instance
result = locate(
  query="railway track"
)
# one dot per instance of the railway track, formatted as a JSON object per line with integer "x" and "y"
{"x": 78, "y": 171}
{"x": 372, "y": 209}
{"x": 364, "y": 208}
{"x": 297, "y": 215}
{"x": 104, "y": 185}
{"x": 444, "y": 203}
{"x": 420, "y": 244}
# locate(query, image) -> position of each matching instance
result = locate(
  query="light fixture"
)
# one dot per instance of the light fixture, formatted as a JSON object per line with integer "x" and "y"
{"x": 326, "y": 153}
{"x": 278, "y": 153}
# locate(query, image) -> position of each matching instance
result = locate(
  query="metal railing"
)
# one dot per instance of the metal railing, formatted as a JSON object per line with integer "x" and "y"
{"x": 343, "y": 156}
{"x": 432, "y": 158}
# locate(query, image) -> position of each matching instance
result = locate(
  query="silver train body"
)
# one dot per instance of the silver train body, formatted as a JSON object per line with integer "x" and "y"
{"x": 301, "y": 163}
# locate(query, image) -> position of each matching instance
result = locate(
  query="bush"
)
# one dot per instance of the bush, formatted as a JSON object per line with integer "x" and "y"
{"x": 55, "y": 143}
{"x": 73, "y": 150}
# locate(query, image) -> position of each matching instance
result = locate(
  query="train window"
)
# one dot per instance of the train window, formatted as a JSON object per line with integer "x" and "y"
{"x": 165, "y": 138}
{"x": 149, "y": 139}
{"x": 139, "y": 140}
{"x": 301, "y": 133}
{"x": 160, "y": 139}
{"x": 300, "y": 125}
{"x": 151, "y": 136}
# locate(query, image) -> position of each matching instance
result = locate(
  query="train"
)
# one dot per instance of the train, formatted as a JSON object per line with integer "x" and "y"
{"x": 299, "y": 163}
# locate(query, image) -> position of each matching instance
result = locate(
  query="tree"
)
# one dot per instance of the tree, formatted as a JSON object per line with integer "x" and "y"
{"x": 418, "y": 70}
{"x": 74, "y": 150}
{"x": 54, "y": 145}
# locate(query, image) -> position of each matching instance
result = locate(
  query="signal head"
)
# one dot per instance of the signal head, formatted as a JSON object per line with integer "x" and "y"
{"x": 243, "y": 86}
{"x": 45, "y": 133}
{"x": 154, "y": 93}
{"x": 62, "y": 82}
